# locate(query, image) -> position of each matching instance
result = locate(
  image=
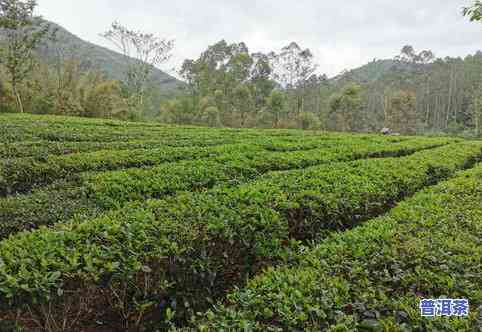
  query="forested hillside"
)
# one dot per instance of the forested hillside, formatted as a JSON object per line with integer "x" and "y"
{"x": 443, "y": 95}
{"x": 70, "y": 76}
{"x": 91, "y": 56}
{"x": 231, "y": 85}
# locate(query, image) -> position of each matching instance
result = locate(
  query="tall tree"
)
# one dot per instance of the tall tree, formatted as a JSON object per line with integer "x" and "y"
{"x": 142, "y": 52}
{"x": 260, "y": 78}
{"x": 401, "y": 112}
{"x": 345, "y": 107}
{"x": 420, "y": 60}
{"x": 242, "y": 102}
{"x": 22, "y": 33}
{"x": 237, "y": 81}
{"x": 476, "y": 108}
{"x": 276, "y": 104}
{"x": 408, "y": 54}
{"x": 293, "y": 68}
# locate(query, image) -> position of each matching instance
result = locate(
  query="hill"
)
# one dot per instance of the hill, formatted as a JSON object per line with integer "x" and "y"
{"x": 376, "y": 70}
{"x": 91, "y": 55}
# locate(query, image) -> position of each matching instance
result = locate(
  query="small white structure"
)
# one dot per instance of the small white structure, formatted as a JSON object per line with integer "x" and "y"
{"x": 386, "y": 131}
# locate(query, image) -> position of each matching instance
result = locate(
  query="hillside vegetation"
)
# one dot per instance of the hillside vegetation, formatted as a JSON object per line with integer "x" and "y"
{"x": 231, "y": 85}
{"x": 94, "y": 57}
{"x": 110, "y": 225}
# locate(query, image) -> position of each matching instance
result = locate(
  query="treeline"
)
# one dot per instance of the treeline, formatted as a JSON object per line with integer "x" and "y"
{"x": 228, "y": 85}
{"x": 419, "y": 94}
{"x": 414, "y": 93}
{"x": 66, "y": 89}
{"x": 64, "y": 83}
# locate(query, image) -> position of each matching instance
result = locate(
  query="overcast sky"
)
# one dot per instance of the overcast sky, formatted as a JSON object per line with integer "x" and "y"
{"x": 343, "y": 34}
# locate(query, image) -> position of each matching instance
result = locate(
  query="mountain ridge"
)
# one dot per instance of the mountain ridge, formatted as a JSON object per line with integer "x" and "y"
{"x": 93, "y": 56}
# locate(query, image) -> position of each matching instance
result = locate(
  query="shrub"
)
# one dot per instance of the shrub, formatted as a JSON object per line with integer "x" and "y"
{"x": 112, "y": 189}
{"x": 372, "y": 278}
{"x": 158, "y": 253}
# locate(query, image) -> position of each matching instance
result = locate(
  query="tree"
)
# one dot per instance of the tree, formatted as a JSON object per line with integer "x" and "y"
{"x": 179, "y": 110}
{"x": 474, "y": 12}
{"x": 239, "y": 82}
{"x": 476, "y": 108}
{"x": 275, "y": 104}
{"x": 211, "y": 117}
{"x": 401, "y": 113}
{"x": 308, "y": 120}
{"x": 421, "y": 60}
{"x": 344, "y": 107}
{"x": 102, "y": 98}
{"x": 260, "y": 78}
{"x": 293, "y": 68}
{"x": 22, "y": 33}
{"x": 408, "y": 54}
{"x": 142, "y": 52}
{"x": 5, "y": 96}
{"x": 242, "y": 102}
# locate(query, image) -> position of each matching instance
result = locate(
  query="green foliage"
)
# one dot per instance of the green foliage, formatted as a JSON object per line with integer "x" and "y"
{"x": 308, "y": 121}
{"x": 211, "y": 116}
{"x": 474, "y": 12}
{"x": 345, "y": 107}
{"x": 21, "y": 175}
{"x": 214, "y": 238}
{"x": 45, "y": 206}
{"x": 401, "y": 113}
{"x": 22, "y": 34}
{"x": 162, "y": 229}
{"x": 444, "y": 90}
{"x": 223, "y": 165}
{"x": 227, "y": 76}
{"x": 276, "y": 105}
{"x": 371, "y": 278}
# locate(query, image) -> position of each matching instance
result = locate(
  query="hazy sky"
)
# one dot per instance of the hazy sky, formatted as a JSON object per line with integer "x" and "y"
{"x": 342, "y": 34}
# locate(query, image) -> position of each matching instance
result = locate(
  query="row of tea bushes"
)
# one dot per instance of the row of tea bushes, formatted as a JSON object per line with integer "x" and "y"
{"x": 316, "y": 142}
{"x": 174, "y": 254}
{"x": 373, "y": 277}
{"x": 15, "y": 129}
{"x": 27, "y": 127}
{"x": 64, "y": 129}
{"x": 57, "y": 202}
{"x": 40, "y": 150}
{"x": 113, "y": 189}
{"x": 20, "y": 175}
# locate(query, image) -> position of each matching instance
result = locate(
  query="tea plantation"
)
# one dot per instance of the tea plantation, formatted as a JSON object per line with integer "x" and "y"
{"x": 118, "y": 226}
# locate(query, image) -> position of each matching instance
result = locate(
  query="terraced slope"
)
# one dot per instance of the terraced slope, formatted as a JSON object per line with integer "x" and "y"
{"x": 130, "y": 226}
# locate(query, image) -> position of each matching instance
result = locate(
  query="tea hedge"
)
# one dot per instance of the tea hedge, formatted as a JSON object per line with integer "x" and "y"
{"x": 173, "y": 255}
{"x": 41, "y": 149}
{"x": 57, "y": 202}
{"x": 20, "y": 175}
{"x": 113, "y": 189}
{"x": 373, "y": 277}
{"x": 93, "y": 193}
{"x": 16, "y": 128}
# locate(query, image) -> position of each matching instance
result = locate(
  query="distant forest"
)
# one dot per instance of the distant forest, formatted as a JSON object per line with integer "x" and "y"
{"x": 229, "y": 85}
